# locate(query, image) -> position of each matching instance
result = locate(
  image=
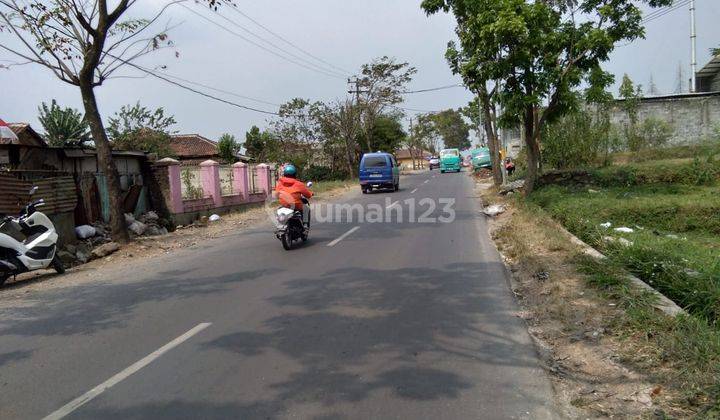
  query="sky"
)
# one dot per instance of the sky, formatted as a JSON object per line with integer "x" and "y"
{"x": 343, "y": 33}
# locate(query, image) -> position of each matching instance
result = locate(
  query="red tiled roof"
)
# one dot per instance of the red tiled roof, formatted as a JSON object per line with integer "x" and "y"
{"x": 192, "y": 145}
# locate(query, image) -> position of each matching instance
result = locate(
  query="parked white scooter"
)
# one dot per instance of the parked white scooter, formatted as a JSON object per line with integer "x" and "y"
{"x": 293, "y": 224}
{"x": 37, "y": 251}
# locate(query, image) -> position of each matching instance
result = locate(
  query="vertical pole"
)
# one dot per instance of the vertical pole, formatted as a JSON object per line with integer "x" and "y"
{"x": 693, "y": 42}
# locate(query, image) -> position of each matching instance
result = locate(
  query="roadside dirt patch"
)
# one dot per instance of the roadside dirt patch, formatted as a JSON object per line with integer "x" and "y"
{"x": 571, "y": 323}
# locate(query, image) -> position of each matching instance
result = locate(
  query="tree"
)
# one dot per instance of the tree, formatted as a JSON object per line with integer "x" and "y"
{"x": 340, "y": 121}
{"x": 63, "y": 126}
{"x": 137, "y": 128}
{"x": 84, "y": 43}
{"x": 380, "y": 86}
{"x": 258, "y": 144}
{"x": 228, "y": 148}
{"x": 295, "y": 132}
{"x": 422, "y": 135}
{"x": 388, "y": 133}
{"x": 452, "y": 128}
{"x": 538, "y": 52}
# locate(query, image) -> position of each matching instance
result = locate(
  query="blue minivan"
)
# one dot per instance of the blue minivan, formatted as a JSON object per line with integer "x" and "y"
{"x": 379, "y": 170}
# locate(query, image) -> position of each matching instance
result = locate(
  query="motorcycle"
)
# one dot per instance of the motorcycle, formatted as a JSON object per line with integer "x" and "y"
{"x": 39, "y": 248}
{"x": 293, "y": 225}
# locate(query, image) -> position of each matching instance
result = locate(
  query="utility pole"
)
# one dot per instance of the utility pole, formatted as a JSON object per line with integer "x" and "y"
{"x": 357, "y": 93}
{"x": 693, "y": 42}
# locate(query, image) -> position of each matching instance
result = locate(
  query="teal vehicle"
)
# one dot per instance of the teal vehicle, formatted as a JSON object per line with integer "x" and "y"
{"x": 481, "y": 158}
{"x": 450, "y": 160}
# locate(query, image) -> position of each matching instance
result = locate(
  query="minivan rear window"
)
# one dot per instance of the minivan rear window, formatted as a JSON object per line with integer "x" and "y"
{"x": 375, "y": 162}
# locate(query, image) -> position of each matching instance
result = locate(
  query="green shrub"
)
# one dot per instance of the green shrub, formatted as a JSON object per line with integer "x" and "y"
{"x": 577, "y": 140}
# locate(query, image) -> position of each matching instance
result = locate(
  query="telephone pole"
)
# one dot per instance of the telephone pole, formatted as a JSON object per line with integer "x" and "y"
{"x": 356, "y": 84}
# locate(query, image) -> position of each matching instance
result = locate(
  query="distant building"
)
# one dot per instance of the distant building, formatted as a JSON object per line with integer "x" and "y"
{"x": 708, "y": 78}
{"x": 192, "y": 149}
{"x": 26, "y": 135}
{"x": 405, "y": 158}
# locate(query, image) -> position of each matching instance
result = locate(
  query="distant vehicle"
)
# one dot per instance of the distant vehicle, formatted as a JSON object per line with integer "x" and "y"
{"x": 379, "y": 170}
{"x": 434, "y": 162}
{"x": 450, "y": 160}
{"x": 481, "y": 158}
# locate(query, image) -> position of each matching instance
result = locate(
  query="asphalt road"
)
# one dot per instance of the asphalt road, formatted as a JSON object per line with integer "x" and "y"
{"x": 394, "y": 320}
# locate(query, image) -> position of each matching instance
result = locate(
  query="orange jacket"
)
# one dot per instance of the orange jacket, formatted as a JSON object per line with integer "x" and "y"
{"x": 289, "y": 191}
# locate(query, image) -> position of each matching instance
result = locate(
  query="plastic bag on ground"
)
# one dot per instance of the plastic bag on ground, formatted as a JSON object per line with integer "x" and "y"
{"x": 84, "y": 231}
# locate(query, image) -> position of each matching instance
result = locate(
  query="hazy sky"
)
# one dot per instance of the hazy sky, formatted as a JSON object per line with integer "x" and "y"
{"x": 343, "y": 33}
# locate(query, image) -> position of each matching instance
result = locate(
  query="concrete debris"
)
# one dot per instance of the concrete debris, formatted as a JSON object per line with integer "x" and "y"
{"x": 129, "y": 218}
{"x": 512, "y": 186}
{"x": 494, "y": 210}
{"x": 137, "y": 227}
{"x": 148, "y": 224}
{"x": 624, "y": 229}
{"x": 105, "y": 250}
{"x": 621, "y": 241}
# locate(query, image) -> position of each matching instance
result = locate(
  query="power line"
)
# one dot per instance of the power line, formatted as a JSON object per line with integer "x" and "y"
{"x": 180, "y": 85}
{"x": 432, "y": 89}
{"x": 664, "y": 11}
{"x": 253, "y": 34}
{"x": 268, "y": 30}
{"x": 259, "y": 45}
{"x": 217, "y": 89}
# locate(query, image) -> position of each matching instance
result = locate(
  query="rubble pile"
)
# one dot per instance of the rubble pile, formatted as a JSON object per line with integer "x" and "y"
{"x": 148, "y": 224}
{"x": 94, "y": 241}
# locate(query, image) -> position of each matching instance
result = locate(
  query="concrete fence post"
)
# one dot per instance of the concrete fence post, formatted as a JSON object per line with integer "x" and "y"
{"x": 263, "y": 178}
{"x": 240, "y": 180}
{"x": 210, "y": 178}
{"x": 173, "y": 193}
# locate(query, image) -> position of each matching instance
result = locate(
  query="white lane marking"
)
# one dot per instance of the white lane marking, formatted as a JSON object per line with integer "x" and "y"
{"x": 392, "y": 205}
{"x": 343, "y": 236}
{"x": 413, "y": 191}
{"x": 426, "y": 181}
{"x": 88, "y": 396}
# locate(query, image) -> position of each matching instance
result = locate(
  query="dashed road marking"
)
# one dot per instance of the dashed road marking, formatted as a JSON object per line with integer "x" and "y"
{"x": 120, "y": 376}
{"x": 343, "y": 236}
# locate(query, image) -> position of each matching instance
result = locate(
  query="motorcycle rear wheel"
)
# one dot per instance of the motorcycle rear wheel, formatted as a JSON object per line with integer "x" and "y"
{"x": 286, "y": 241}
{"x": 57, "y": 265}
{"x": 3, "y": 278}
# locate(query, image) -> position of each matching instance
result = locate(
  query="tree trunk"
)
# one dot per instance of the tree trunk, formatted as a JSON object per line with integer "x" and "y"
{"x": 491, "y": 131}
{"x": 349, "y": 153}
{"x": 105, "y": 162}
{"x": 533, "y": 150}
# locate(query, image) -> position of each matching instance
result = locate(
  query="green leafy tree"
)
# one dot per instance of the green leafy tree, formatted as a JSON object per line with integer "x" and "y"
{"x": 423, "y": 135}
{"x": 388, "y": 133}
{"x": 228, "y": 148}
{"x": 63, "y": 126}
{"x": 452, "y": 128}
{"x": 259, "y": 144}
{"x": 380, "y": 86}
{"x": 538, "y": 52}
{"x": 138, "y": 128}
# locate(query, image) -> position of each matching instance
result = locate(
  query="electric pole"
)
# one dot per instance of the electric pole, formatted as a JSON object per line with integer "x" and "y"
{"x": 357, "y": 93}
{"x": 693, "y": 42}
